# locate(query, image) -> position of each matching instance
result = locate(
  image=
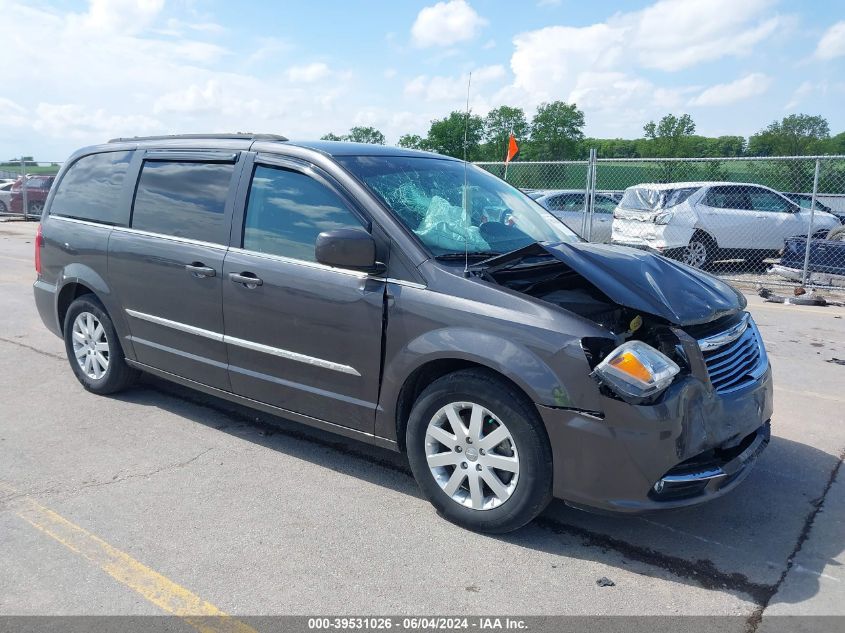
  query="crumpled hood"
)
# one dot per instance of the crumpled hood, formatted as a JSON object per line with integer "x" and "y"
{"x": 644, "y": 281}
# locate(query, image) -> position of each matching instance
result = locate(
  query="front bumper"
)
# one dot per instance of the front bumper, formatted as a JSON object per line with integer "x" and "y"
{"x": 694, "y": 445}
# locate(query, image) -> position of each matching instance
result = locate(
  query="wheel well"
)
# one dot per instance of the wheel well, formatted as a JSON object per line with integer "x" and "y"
{"x": 705, "y": 236}
{"x": 426, "y": 374}
{"x": 68, "y": 294}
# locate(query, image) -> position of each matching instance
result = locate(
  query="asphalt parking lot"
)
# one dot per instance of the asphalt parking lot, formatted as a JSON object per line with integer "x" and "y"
{"x": 104, "y": 501}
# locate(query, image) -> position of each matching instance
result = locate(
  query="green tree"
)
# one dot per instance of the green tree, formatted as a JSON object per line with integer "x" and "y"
{"x": 446, "y": 135}
{"x": 671, "y": 136}
{"x": 836, "y": 144}
{"x": 794, "y": 135}
{"x": 412, "y": 141}
{"x": 498, "y": 125}
{"x": 360, "y": 134}
{"x": 557, "y": 130}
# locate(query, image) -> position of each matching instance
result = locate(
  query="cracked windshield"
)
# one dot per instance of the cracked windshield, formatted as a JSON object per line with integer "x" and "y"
{"x": 427, "y": 195}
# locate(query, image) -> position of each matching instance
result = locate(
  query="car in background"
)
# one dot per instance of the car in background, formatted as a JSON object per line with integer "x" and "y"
{"x": 698, "y": 222}
{"x": 37, "y": 188}
{"x": 567, "y": 205}
{"x": 806, "y": 200}
{"x": 5, "y": 194}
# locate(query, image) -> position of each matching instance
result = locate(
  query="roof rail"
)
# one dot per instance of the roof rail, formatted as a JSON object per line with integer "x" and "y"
{"x": 247, "y": 136}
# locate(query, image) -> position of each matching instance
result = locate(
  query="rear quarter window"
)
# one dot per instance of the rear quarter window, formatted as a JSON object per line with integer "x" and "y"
{"x": 91, "y": 188}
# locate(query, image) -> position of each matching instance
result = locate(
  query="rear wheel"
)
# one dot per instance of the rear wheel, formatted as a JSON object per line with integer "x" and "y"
{"x": 699, "y": 252}
{"x": 93, "y": 348}
{"x": 35, "y": 208}
{"x": 3, "y": 207}
{"x": 479, "y": 452}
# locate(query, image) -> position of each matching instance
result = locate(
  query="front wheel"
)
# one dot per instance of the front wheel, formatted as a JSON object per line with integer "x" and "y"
{"x": 837, "y": 234}
{"x": 93, "y": 348}
{"x": 479, "y": 452}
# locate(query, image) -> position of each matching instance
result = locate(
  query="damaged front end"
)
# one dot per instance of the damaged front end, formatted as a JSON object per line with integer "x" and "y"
{"x": 683, "y": 377}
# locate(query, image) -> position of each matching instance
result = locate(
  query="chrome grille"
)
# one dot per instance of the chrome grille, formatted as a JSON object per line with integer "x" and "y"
{"x": 737, "y": 362}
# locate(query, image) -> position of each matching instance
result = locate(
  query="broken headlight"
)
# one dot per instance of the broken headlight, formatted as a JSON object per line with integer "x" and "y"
{"x": 636, "y": 370}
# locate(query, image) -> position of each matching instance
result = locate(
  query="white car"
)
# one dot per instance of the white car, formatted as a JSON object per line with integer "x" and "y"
{"x": 5, "y": 195}
{"x": 698, "y": 222}
{"x": 567, "y": 205}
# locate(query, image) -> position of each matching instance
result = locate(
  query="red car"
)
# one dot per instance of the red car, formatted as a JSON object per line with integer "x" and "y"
{"x": 37, "y": 188}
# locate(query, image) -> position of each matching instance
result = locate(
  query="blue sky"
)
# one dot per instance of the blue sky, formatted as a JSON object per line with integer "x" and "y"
{"x": 80, "y": 72}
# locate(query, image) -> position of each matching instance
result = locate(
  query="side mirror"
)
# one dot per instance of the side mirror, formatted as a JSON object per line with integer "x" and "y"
{"x": 348, "y": 248}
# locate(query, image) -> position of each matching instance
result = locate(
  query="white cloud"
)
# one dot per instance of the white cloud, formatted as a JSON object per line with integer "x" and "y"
{"x": 11, "y": 114}
{"x": 452, "y": 88}
{"x": 121, "y": 15}
{"x": 600, "y": 66}
{"x": 832, "y": 44}
{"x": 80, "y": 122}
{"x": 446, "y": 23}
{"x": 738, "y": 90}
{"x": 675, "y": 34}
{"x": 131, "y": 79}
{"x": 309, "y": 73}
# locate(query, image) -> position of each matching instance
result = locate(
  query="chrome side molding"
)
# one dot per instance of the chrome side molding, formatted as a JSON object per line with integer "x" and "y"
{"x": 239, "y": 342}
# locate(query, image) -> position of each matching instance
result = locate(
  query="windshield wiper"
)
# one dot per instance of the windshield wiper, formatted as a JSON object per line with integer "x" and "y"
{"x": 469, "y": 255}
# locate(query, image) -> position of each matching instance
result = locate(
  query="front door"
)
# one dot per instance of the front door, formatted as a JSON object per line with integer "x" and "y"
{"x": 168, "y": 266}
{"x": 300, "y": 335}
{"x": 777, "y": 217}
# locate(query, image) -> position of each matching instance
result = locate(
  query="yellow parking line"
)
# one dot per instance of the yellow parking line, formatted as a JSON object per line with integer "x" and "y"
{"x": 158, "y": 589}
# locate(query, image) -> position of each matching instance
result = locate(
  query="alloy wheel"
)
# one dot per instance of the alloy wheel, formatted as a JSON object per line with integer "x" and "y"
{"x": 472, "y": 455}
{"x": 695, "y": 254}
{"x": 90, "y": 345}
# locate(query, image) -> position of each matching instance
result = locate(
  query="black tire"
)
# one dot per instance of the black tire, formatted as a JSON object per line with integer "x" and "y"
{"x": 3, "y": 207}
{"x": 117, "y": 375}
{"x": 533, "y": 488}
{"x": 837, "y": 234}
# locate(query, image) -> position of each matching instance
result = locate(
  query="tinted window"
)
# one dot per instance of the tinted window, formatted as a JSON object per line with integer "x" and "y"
{"x": 566, "y": 202}
{"x": 806, "y": 202}
{"x": 39, "y": 182}
{"x": 90, "y": 189}
{"x": 728, "y": 198}
{"x": 762, "y": 200}
{"x": 287, "y": 210}
{"x": 183, "y": 199}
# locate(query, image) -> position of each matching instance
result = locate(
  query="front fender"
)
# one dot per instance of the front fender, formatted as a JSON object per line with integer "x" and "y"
{"x": 510, "y": 359}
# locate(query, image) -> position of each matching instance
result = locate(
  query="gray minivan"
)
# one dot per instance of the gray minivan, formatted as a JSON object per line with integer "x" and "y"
{"x": 412, "y": 301}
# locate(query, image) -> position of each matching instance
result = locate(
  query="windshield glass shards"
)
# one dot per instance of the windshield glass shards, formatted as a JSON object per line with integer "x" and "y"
{"x": 428, "y": 196}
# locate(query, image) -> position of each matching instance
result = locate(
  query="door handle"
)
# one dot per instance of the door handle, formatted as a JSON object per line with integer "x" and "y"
{"x": 198, "y": 269}
{"x": 247, "y": 279}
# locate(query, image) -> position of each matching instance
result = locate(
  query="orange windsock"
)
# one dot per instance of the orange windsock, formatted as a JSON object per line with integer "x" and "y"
{"x": 513, "y": 149}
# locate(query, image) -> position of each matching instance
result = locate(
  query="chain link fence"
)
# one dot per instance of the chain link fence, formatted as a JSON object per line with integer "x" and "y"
{"x": 24, "y": 186}
{"x": 774, "y": 220}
